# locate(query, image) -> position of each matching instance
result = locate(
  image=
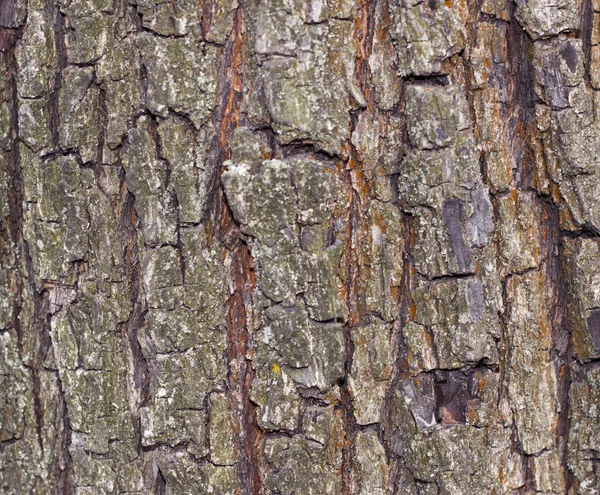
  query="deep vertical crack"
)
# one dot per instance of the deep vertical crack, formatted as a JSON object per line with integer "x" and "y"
{"x": 227, "y": 232}
{"x": 561, "y": 333}
{"x": 406, "y": 310}
{"x": 23, "y": 273}
{"x": 127, "y": 227}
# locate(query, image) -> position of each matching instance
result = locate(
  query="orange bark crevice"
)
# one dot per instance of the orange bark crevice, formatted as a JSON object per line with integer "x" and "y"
{"x": 241, "y": 373}
{"x": 356, "y": 260}
{"x": 227, "y": 232}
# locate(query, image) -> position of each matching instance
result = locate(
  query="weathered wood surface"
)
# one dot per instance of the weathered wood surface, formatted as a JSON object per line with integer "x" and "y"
{"x": 299, "y": 247}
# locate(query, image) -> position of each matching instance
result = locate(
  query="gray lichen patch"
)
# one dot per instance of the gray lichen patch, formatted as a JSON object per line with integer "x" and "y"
{"x": 544, "y": 18}
{"x": 78, "y": 106}
{"x": 294, "y": 354}
{"x": 182, "y": 76}
{"x": 307, "y": 463}
{"x": 583, "y": 438}
{"x": 166, "y": 19}
{"x": 184, "y": 149}
{"x": 371, "y": 371}
{"x": 305, "y": 74}
{"x": 146, "y": 180}
{"x": 373, "y": 470}
{"x": 441, "y": 181}
{"x": 59, "y": 224}
{"x": 581, "y": 258}
{"x": 426, "y": 34}
{"x": 386, "y": 259}
{"x": 87, "y": 32}
{"x": 519, "y": 223}
{"x": 182, "y": 473}
{"x": 162, "y": 424}
{"x": 118, "y": 75}
{"x": 531, "y": 340}
{"x": 435, "y": 115}
{"x": 36, "y": 54}
{"x": 260, "y": 200}
{"x": 467, "y": 333}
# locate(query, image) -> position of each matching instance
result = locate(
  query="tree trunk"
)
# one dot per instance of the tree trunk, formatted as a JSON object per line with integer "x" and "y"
{"x": 299, "y": 247}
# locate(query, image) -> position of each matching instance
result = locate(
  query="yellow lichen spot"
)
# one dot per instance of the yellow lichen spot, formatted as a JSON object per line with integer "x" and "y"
{"x": 276, "y": 368}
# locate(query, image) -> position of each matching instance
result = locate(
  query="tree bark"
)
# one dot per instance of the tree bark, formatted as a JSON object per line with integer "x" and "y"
{"x": 299, "y": 247}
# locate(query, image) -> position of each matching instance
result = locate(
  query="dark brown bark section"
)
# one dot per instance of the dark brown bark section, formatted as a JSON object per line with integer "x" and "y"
{"x": 561, "y": 331}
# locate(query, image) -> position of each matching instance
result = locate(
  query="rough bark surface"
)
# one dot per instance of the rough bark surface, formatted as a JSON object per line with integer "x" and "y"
{"x": 299, "y": 247}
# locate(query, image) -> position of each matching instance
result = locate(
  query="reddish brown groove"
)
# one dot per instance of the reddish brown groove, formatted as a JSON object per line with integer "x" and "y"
{"x": 233, "y": 84}
{"x": 363, "y": 34}
{"x": 240, "y": 373}
{"x": 226, "y": 118}
{"x": 561, "y": 333}
{"x": 227, "y": 231}
{"x": 520, "y": 109}
{"x": 359, "y": 193}
{"x": 353, "y": 303}
{"x": 404, "y": 314}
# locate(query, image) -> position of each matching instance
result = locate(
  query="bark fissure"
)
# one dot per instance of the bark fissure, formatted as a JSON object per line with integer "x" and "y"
{"x": 239, "y": 339}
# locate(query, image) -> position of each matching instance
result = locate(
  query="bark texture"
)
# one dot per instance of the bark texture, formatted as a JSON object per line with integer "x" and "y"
{"x": 299, "y": 247}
